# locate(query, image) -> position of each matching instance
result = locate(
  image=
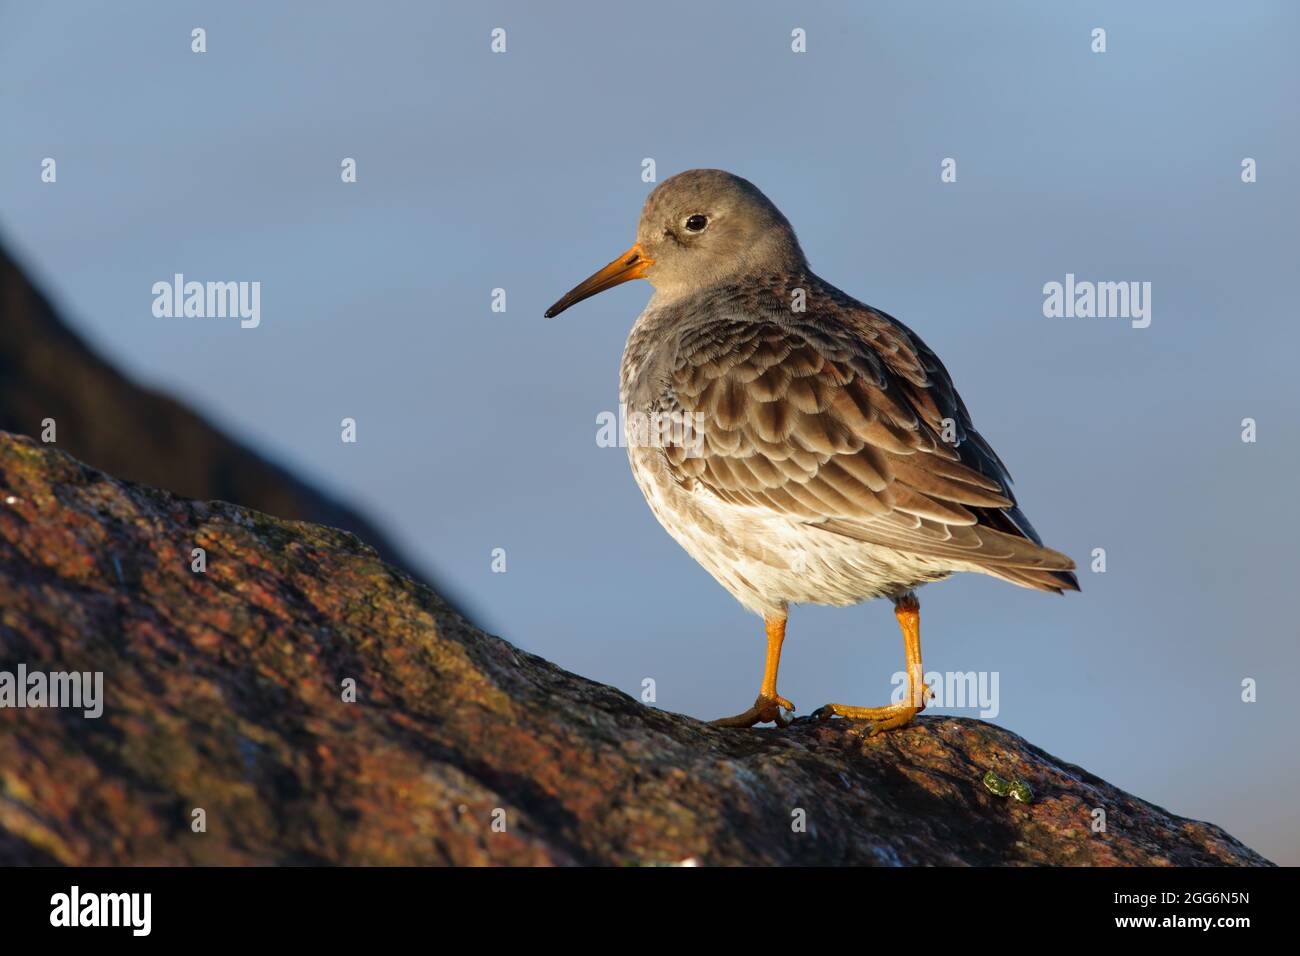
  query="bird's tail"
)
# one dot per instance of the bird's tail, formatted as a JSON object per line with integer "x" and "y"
{"x": 1036, "y": 578}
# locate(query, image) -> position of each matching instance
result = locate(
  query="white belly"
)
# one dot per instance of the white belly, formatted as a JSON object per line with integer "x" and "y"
{"x": 766, "y": 560}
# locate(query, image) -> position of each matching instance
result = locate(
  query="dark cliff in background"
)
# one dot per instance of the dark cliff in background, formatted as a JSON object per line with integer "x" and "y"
{"x": 108, "y": 421}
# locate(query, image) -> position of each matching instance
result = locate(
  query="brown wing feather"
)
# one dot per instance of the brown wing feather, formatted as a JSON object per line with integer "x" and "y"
{"x": 840, "y": 425}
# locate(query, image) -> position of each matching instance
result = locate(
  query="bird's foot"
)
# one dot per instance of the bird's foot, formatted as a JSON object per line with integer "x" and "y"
{"x": 765, "y": 710}
{"x": 890, "y": 717}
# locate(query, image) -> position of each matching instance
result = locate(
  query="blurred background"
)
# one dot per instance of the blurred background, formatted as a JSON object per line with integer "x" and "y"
{"x": 522, "y": 170}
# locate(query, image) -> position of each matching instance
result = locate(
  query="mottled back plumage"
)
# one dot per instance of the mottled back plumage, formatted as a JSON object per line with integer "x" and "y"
{"x": 834, "y": 419}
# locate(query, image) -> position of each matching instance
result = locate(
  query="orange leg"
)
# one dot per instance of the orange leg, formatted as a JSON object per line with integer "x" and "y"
{"x": 908, "y": 611}
{"x": 767, "y": 708}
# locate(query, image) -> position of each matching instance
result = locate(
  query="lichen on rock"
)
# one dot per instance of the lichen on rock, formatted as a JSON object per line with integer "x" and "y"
{"x": 318, "y": 706}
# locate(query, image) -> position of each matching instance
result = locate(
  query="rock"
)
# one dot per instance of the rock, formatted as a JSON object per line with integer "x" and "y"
{"x": 224, "y": 691}
{"x": 48, "y": 372}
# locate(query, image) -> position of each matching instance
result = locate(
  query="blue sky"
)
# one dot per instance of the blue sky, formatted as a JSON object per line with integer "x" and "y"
{"x": 477, "y": 430}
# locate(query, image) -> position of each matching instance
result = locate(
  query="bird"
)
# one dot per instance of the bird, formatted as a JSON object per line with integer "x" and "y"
{"x": 803, "y": 447}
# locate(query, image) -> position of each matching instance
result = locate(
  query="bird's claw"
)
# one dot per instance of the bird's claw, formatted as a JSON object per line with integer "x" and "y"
{"x": 878, "y": 719}
{"x": 766, "y": 710}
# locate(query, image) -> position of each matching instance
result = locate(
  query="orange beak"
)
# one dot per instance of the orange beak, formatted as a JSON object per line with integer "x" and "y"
{"x": 630, "y": 265}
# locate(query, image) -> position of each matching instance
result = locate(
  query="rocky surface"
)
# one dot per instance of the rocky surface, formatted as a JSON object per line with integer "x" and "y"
{"x": 224, "y": 691}
{"x": 105, "y": 419}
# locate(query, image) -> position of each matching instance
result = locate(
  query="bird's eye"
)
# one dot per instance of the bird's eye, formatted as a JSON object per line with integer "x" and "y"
{"x": 697, "y": 223}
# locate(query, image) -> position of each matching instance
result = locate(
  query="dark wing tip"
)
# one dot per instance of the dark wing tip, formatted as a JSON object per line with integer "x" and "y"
{"x": 1069, "y": 580}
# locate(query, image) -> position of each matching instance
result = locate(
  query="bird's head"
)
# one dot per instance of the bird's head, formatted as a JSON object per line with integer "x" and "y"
{"x": 697, "y": 230}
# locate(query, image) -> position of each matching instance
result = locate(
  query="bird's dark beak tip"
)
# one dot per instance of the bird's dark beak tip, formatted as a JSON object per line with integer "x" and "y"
{"x": 630, "y": 265}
